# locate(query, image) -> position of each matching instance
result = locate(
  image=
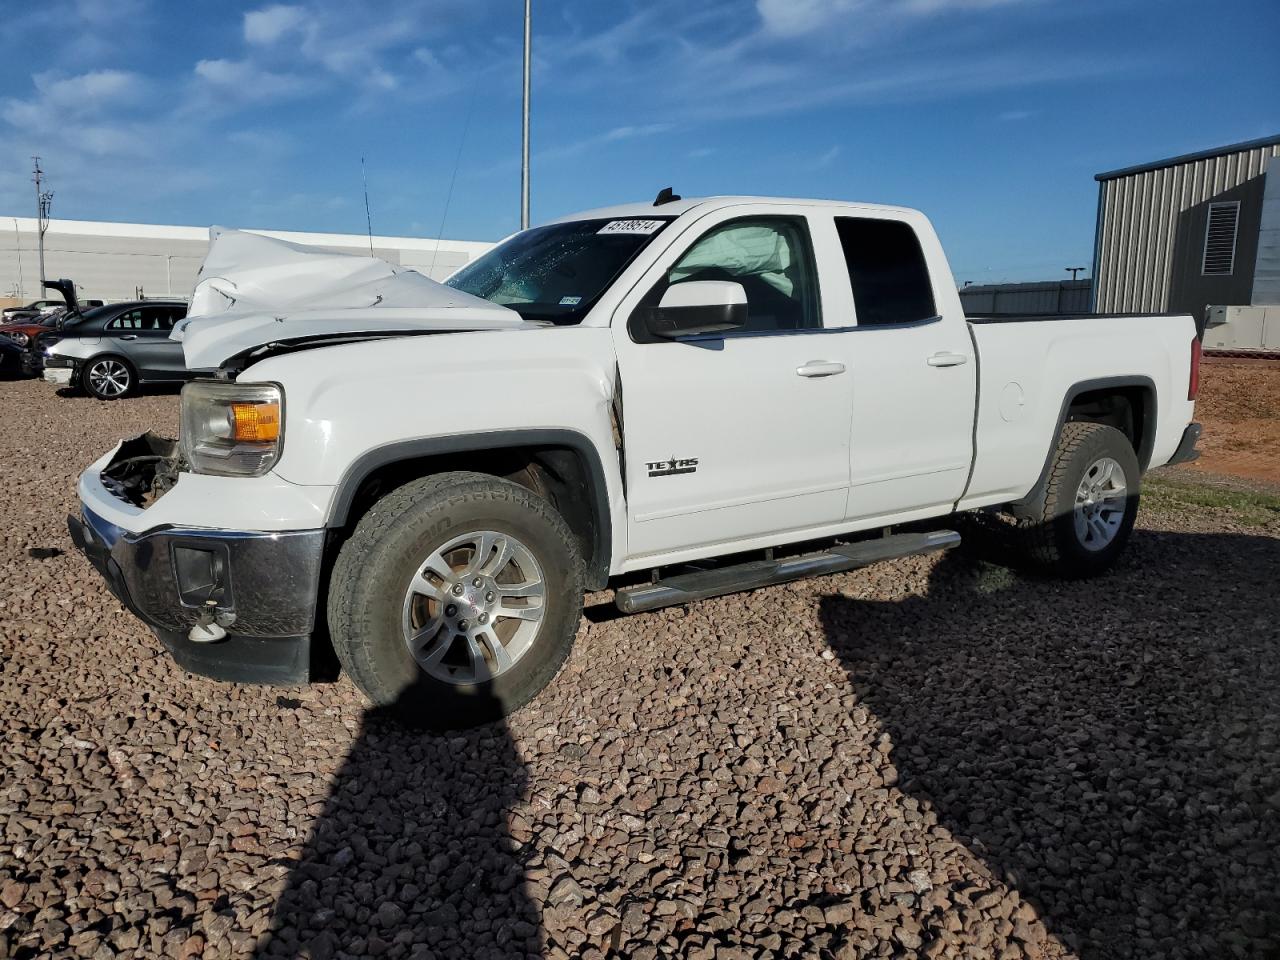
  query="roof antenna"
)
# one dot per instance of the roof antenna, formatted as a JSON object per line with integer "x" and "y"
{"x": 457, "y": 161}
{"x": 665, "y": 196}
{"x": 368, "y": 217}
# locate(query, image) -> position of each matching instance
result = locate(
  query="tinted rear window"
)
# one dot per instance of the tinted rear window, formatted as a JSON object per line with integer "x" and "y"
{"x": 887, "y": 270}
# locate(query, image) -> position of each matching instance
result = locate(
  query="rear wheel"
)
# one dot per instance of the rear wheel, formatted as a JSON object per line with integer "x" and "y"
{"x": 1090, "y": 504}
{"x": 456, "y": 600}
{"x": 108, "y": 378}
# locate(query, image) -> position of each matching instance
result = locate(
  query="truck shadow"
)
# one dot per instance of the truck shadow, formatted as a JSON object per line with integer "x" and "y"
{"x": 1110, "y": 749}
{"x": 411, "y": 856}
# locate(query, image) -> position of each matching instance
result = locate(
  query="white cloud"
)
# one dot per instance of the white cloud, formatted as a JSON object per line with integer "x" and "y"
{"x": 86, "y": 91}
{"x": 825, "y": 159}
{"x": 791, "y": 18}
{"x": 246, "y": 81}
{"x": 629, "y": 132}
{"x": 1014, "y": 116}
{"x": 795, "y": 18}
{"x": 269, "y": 24}
{"x": 108, "y": 11}
{"x": 90, "y": 99}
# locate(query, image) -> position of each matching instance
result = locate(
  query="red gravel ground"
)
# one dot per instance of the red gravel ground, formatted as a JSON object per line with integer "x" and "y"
{"x": 1239, "y": 406}
{"x": 930, "y": 758}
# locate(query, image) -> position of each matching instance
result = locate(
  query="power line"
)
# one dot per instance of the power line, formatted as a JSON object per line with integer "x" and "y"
{"x": 368, "y": 217}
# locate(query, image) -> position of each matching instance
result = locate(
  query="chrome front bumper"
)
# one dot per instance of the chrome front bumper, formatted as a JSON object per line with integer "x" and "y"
{"x": 262, "y": 588}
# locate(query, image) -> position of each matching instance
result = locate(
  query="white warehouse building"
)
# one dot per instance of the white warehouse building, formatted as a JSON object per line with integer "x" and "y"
{"x": 123, "y": 261}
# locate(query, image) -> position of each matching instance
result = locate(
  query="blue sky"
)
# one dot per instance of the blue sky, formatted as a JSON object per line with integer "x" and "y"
{"x": 990, "y": 115}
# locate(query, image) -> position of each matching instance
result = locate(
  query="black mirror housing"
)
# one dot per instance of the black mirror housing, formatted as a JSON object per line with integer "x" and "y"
{"x": 670, "y": 322}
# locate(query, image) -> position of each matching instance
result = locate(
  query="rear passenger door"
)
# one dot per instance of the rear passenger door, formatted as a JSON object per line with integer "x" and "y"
{"x": 914, "y": 374}
{"x": 170, "y": 362}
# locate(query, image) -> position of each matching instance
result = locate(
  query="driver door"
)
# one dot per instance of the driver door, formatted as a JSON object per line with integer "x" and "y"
{"x": 738, "y": 436}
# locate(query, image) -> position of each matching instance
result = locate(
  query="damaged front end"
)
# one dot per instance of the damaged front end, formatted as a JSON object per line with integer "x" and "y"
{"x": 143, "y": 469}
{"x": 234, "y": 604}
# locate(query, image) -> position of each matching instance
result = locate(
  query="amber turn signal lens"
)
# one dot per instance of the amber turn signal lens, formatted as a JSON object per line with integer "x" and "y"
{"x": 255, "y": 422}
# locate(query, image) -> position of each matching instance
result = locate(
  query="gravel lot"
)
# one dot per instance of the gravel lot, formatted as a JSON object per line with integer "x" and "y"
{"x": 926, "y": 758}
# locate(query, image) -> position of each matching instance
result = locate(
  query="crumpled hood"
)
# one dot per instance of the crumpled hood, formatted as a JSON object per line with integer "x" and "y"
{"x": 253, "y": 291}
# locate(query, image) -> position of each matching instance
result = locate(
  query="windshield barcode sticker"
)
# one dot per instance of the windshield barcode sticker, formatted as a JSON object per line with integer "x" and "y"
{"x": 632, "y": 226}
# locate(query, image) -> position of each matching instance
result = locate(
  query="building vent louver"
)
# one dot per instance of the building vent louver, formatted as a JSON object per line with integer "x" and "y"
{"x": 1220, "y": 239}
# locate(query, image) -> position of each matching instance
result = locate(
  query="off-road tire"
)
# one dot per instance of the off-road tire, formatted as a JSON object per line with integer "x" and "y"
{"x": 1042, "y": 538}
{"x": 373, "y": 570}
{"x": 86, "y": 379}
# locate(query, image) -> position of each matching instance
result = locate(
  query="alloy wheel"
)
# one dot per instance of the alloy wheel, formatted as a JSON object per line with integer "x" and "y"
{"x": 109, "y": 378}
{"x": 474, "y": 607}
{"x": 1100, "y": 503}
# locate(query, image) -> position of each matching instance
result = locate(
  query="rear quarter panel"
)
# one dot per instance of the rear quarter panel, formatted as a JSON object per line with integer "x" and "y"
{"x": 1028, "y": 368}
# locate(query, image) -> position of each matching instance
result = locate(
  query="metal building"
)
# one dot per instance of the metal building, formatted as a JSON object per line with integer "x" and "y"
{"x": 119, "y": 261}
{"x": 1038, "y": 298}
{"x": 1190, "y": 233}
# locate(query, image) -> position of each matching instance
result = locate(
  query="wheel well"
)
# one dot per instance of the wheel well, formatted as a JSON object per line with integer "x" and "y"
{"x": 1129, "y": 406}
{"x": 1130, "y": 409}
{"x": 563, "y": 475}
{"x": 109, "y": 355}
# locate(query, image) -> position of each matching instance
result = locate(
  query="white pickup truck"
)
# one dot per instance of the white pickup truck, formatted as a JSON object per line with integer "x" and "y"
{"x": 675, "y": 400}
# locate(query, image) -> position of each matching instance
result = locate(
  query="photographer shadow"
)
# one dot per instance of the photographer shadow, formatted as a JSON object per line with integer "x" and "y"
{"x": 1110, "y": 748}
{"x": 411, "y": 857}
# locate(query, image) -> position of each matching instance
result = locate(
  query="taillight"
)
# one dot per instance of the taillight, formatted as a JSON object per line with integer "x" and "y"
{"x": 1193, "y": 387}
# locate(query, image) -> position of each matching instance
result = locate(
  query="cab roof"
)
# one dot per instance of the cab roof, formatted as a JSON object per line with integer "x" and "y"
{"x": 706, "y": 204}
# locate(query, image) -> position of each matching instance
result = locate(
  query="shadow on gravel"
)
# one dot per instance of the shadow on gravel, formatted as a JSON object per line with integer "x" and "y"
{"x": 411, "y": 857}
{"x": 142, "y": 390}
{"x": 1111, "y": 749}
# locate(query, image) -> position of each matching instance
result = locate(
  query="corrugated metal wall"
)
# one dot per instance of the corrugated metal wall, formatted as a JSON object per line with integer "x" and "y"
{"x": 1141, "y": 215}
{"x": 1043, "y": 298}
{"x": 1266, "y": 276}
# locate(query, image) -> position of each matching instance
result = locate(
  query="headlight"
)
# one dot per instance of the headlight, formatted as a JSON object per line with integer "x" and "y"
{"x": 232, "y": 429}
{"x": 19, "y": 338}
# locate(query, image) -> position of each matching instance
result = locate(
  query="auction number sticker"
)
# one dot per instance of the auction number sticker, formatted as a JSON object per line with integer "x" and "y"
{"x": 632, "y": 226}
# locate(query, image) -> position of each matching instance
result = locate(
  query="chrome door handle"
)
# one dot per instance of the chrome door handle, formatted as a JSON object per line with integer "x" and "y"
{"x": 820, "y": 368}
{"x": 130, "y": 336}
{"x": 947, "y": 359}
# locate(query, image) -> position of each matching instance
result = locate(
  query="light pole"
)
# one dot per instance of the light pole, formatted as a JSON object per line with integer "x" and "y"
{"x": 1074, "y": 270}
{"x": 524, "y": 132}
{"x": 44, "y": 200}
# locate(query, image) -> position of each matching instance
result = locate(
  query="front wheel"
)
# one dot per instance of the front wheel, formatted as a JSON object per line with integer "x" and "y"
{"x": 108, "y": 378}
{"x": 456, "y": 600}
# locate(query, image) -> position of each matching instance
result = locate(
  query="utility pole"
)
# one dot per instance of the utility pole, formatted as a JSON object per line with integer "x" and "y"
{"x": 1074, "y": 270}
{"x": 524, "y": 132}
{"x": 44, "y": 200}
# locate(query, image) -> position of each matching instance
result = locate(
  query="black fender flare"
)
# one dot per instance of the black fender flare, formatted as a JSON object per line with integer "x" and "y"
{"x": 1033, "y": 502}
{"x": 597, "y": 565}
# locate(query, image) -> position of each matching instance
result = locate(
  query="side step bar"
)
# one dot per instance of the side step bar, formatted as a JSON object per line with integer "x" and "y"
{"x": 687, "y": 587}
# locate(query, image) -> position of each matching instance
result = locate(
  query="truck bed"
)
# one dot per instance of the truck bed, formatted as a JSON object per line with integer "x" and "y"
{"x": 1029, "y": 370}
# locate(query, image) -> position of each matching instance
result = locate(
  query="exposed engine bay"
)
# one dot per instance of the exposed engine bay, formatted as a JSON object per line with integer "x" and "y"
{"x": 144, "y": 469}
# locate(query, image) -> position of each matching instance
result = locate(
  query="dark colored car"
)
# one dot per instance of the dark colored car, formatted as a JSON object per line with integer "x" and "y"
{"x": 10, "y": 358}
{"x": 22, "y": 324}
{"x": 32, "y": 310}
{"x": 109, "y": 351}
{"x": 24, "y": 331}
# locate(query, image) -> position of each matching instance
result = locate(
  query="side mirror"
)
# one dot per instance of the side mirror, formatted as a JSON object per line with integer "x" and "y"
{"x": 698, "y": 306}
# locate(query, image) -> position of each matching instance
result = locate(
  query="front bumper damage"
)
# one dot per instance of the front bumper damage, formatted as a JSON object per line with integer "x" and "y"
{"x": 253, "y": 592}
